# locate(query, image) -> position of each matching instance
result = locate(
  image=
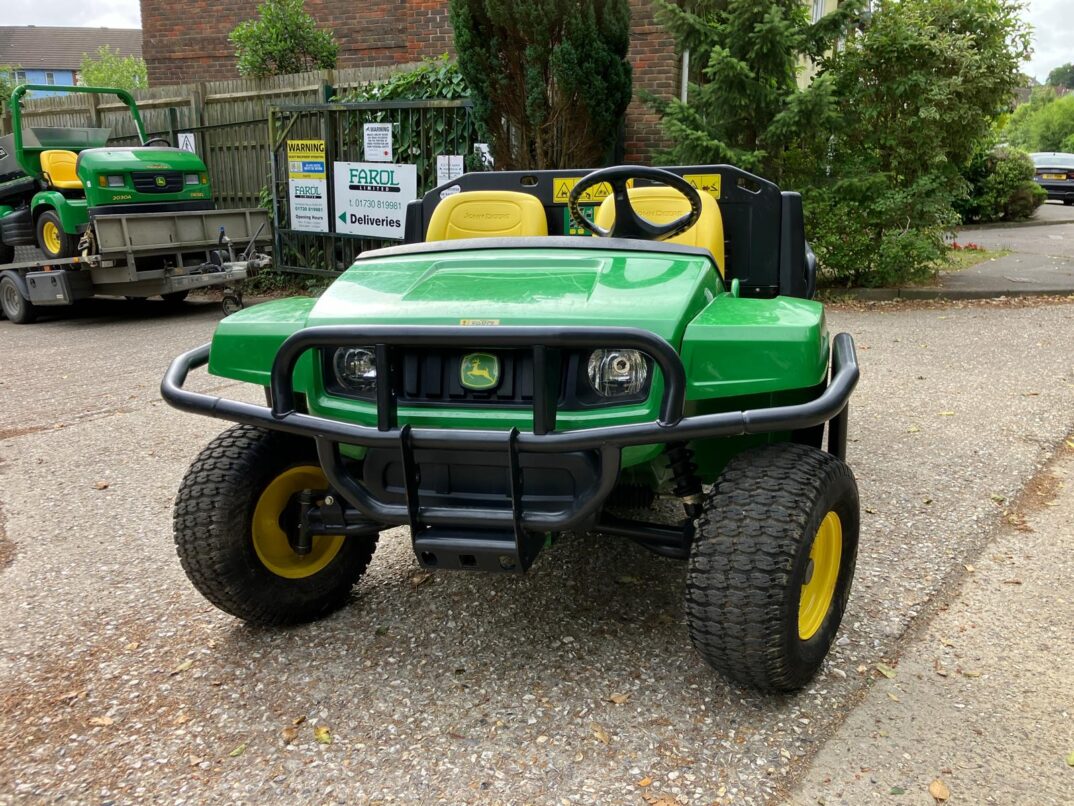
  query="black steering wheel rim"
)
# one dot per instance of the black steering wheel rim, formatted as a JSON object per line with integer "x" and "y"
{"x": 628, "y": 224}
{"x": 152, "y": 140}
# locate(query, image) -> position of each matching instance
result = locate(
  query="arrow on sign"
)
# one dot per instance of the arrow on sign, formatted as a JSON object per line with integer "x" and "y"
{"x": 343, "y": 217}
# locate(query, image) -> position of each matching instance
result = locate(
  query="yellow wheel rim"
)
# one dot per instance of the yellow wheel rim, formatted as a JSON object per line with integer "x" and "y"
{"x": 822, "y": 574}
{"x": 270, "y": 540}
{"x": 50, "y": 234}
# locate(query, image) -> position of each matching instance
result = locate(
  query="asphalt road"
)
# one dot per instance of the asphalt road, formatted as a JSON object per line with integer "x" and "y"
{"x": 119, "y": 683}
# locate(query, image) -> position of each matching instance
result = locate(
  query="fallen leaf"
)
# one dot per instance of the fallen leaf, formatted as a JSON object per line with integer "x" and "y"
{"x": 1012, "y": 582}
{"x": 940, "y": 670}
{"x": 661, "y": 800}
{"x": 870, "y": 511}
{"x": 629, "y": 580}
{"x": 181, "y": 719}
{"x": 298, "y": 720}
{"x": 71, "y": 696}
{"x": 289, "y": 735}
{"x": 182, "y": 667}
{"x": 619, "y": 699}
{"x": 647, "y": 781}
{"x": 238, "y": 751}
{"x": 969, "y": 568}
{"x": 1070, "y": 444}
{"x": 947, "y": 414}
{"x": 420, "y": 578}
{"x": 1070, "y": 758}
{"x": 102, "y": 721}
{"x": 912, "y": 429}
{"x": 380, "y": 631}
{"x": 133, "y": 645}
{"x": 885, "y": 670}
{"x": 322, "y": 734}
{"x": 101, "y": 485}
{"x": 896, "y": 790}
{"x": 999, "y": 499}
{"x": 893, "y": 696}
{"x": 939, "y": 791}
{"x": 1031, "y": 394}
{"x": 971, "y": 673}
{"x": 600, "y": 734}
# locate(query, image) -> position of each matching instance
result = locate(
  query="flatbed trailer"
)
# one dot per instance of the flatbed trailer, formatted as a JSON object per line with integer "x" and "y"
{"x": 144, "y": 255}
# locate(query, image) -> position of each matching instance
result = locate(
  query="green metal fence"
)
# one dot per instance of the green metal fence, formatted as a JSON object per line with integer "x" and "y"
{"x": 422, "y": 130}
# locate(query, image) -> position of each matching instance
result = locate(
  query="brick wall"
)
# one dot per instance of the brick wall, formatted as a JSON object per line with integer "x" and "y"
{"x": 186, "y": 41}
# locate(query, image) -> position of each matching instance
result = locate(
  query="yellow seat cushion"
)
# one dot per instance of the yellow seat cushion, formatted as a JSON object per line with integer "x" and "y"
{"x": 487, "y": 214}
{"x": 663, "y": 204}
{"x": 59, "y": 166}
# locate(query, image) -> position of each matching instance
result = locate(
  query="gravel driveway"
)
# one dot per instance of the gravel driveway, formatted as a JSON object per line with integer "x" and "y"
{"x": 119, "y": 683}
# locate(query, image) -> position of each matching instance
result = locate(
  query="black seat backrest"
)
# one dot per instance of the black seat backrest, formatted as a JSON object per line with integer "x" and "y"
{"x": 764, "y": 234}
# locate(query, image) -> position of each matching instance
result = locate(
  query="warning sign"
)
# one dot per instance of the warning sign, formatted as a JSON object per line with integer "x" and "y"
{"x": 572, "y": 228}
{"x": 710, "y": 183}
{"x": 563, "y": 185}
{"x": 307, "y": 182}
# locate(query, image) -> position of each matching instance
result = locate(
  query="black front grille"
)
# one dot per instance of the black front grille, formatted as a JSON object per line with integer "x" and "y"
{"x": 431, "y": 376}
{"x": 158, "y": 181}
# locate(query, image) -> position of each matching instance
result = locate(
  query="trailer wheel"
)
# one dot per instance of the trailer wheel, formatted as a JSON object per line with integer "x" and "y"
{"x": 16, "y": 307}
{"x": 175, "y": 297}
{"x": 52, "y": 239}
{"x": 234, "y": 522}
{"x": 771, "y": 565}
{"x": 231, "y": 303}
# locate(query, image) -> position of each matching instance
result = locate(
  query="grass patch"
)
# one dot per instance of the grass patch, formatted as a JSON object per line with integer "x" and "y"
{"x": 964, "y": 257}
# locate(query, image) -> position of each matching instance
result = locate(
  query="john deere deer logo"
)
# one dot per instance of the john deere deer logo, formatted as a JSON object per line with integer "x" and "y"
{"x": 161, "y": 181}
{"x": 479, "y": 371}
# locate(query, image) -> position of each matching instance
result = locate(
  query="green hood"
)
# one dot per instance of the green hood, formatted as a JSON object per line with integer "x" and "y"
{"x": 659, "y": 293}
{"x": 112, "y": 160}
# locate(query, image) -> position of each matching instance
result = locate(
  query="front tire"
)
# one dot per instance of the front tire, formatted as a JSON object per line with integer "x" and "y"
{"x": 51, "y": 238}
{"x": 18, "y": 309}
{"x": 772, "y": 564}
{"x": 231, "y": 539}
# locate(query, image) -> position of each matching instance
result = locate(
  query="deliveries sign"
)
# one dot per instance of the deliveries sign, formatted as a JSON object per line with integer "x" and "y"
{"x": 371, "y": 198}
{"x": 307, "y": 181}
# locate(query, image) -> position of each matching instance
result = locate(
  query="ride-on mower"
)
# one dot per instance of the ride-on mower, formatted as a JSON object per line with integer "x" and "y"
{"x": 134, "y": 221}
{"x": 498, "y": 381}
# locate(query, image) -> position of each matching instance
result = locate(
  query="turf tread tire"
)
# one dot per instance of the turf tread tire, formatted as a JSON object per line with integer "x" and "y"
{"x": 211, "y": 519}
{"x": 749, "y": 558}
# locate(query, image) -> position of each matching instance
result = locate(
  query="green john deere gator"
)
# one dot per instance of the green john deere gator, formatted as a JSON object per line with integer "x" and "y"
{"x": 498, "y": 382}
{"x": 134, "y": 221}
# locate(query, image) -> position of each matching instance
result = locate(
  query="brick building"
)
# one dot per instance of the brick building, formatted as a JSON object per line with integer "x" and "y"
{"x": 186, "y": 40}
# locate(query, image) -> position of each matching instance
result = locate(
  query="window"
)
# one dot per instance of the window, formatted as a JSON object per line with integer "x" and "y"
{"x": 818, "y": 9}
{"x": 20, "y": 76}
{"x": 50, "y": 78}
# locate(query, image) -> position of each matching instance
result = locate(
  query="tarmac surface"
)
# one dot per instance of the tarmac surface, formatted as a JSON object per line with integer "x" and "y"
{"x": 118, "y": 683}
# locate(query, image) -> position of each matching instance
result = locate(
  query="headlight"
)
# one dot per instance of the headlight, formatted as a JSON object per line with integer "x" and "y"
{"x": 191, "y": 179}
{"x": 616, "y": 372}
{"x": 356, "y": 369}
{"x": 115, "y": 181}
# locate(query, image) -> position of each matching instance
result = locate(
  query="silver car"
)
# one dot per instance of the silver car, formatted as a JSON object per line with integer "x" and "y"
{"x": 1055, "y": 173}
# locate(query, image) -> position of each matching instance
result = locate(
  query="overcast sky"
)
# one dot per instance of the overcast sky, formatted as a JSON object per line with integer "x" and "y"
{"x": 1053, "y": 21}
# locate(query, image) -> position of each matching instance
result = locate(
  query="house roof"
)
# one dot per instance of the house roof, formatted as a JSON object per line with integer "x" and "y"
{"x": 61, "y": 48}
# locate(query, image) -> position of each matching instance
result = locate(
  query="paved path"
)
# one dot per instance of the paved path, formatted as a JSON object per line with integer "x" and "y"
{"x": 119, "y": 683}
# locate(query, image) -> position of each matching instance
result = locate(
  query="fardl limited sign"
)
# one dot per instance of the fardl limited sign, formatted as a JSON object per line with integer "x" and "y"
{"x": 371, "y": 198}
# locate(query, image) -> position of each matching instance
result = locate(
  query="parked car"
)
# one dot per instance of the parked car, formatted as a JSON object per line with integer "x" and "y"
{"x": 1055, "y": 173}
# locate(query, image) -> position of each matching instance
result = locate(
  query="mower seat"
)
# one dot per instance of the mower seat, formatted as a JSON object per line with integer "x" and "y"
{"x": 59, "y": 169}
{"x": 663, "y": 204}
{"x": 487, "y": 214}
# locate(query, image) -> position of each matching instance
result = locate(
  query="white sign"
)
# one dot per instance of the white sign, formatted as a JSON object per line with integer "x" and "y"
{"x": 307, "y": 182}
{"x": 485, "y": 153}
{"x": 378, "y": 142}
{"x": 186, "y": 142}
{"x": 448, "y": 167}
{"x": 371, "y": 198}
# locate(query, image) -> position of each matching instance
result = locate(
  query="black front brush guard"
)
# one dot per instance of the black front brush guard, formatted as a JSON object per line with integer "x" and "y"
{"x": 515, "y": 524}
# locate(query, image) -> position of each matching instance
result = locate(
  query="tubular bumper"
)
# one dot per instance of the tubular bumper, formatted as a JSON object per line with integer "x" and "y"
{"x": 606, "y": 441}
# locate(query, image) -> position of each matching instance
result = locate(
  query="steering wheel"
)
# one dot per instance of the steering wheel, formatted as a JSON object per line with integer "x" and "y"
{"x": 628, "y": 224}
{"x": 152, "y": 140}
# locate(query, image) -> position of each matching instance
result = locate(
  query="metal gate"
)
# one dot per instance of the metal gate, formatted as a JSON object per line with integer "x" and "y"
{"x": 422, "y": 130}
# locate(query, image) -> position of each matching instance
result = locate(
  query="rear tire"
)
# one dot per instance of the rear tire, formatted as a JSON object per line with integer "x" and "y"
{"x": 18, "y": 309}
{"x": 51, "y": 238}
{"x": 237, "y": 555}
{"x": 772, "y": 564}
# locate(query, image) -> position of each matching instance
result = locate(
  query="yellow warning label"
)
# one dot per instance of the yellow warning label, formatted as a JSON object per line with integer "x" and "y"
{"x": 707, "y": 182}
{"x": 563, "y": 185}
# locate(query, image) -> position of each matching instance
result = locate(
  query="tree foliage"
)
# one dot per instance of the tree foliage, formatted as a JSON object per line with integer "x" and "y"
{"x": 746, "y": 105}
{"x": 107, "y": 68}
{"x": 283, "y": 39}
{"x": 1001, "y": 187}
{"x": 1046, "y": 123}
{"x": 549, "y": 79}
{"x": 437, "y": 78}
{"x": 918, "y": 92}
{"x": 7, "y": 84}
{"x": 1062, "y": 76}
